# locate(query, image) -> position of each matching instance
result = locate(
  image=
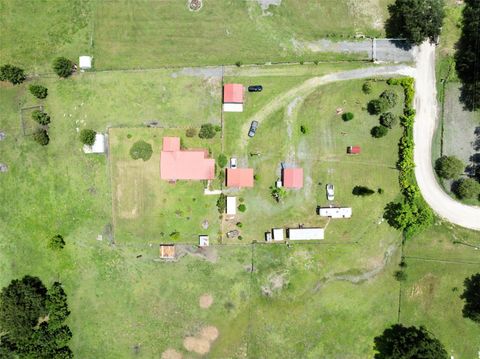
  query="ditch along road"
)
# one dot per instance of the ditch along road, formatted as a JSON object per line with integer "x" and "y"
{"x": 424, "y": 128}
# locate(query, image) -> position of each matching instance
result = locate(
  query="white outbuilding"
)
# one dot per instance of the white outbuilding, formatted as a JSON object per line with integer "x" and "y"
{"x": 335, "y": 212}
{"x": 278, "y": 234}
{"x": 231, "y": 206}
{"x": 85, "y": 62}
{"x": 98, "y": 146}
{"x": 301, "y": 234}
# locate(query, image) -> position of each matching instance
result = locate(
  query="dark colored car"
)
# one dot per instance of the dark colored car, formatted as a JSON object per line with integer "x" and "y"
{"x": 253, "y": 129}
{"x": 255, "y": 88}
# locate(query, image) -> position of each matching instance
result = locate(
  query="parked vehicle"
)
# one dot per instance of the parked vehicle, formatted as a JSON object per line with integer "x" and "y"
{"x": 330, "y": 192}
{"x": 255, "y": 88}
{"x": 253, "y": 129}
{"x": 233, "y": 162}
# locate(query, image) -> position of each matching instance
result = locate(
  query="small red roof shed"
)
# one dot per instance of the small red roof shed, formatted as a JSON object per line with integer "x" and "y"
{"x": 239, "y": 177}
{"x": 353, "y": 150}
{"x": 293, "y": 177}
{"x": 233, "y": 93}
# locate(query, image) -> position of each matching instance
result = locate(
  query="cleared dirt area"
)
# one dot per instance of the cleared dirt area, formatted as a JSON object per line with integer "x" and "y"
{"x": 171, "y": 354}
{"x": 205, "y": 301}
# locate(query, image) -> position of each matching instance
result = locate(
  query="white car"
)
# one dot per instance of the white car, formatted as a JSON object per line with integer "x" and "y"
{"x": 233, "y": 162}
{"x": 330, "y": 192}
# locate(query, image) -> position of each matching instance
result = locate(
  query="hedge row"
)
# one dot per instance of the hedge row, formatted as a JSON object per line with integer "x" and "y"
{"x": 413, "y": 214}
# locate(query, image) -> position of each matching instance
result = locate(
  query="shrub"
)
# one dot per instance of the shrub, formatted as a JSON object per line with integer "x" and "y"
{"x": 175, "y": 235}
{"x": 38, "y": 91}
{"x": 242, "y": 208}
{"x": 315, "y": 62}
{"x": 141, "y": 149}
{"x": 217, "y": 128}
{"x": 303, "y": 129}
{"x": 449, "y": 167}
{"x": 87, "y": 136}
{"x": 388, "y": 119}
{"x": 379, "y": 131}
{"x": 390, "y": 98}
{"x": 256, "y": 177}
{"x": 367, "y": 87}
{"x": 221, "y": 203}
{"x": 62, "y": 66}
{"x": 347, "y": 116}
{"x": 239, "y": 224}
{"x": 12, "y": 74}
{"x": 380, "y": 191}
{"x": 41, "y": 136}
{"x": 377, "y": 106}
{"x": 362, "y": 191}
{"x": 222, "y": 160}
{"x": 207, "y": 131}
{"x": 278, "y": 193}
{"x": 240, "y": 238}
{"x": 467, "y": 188}
{"x": 238, "y": 63}
{"x": 56, "y": 242}
{"x": 400, "y": 275}
{"x": 191, "y": 132}
{"x": 41, "y": 117}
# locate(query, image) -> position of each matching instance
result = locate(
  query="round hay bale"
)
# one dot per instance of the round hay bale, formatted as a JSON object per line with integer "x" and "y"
{"x": 210, "y": 333}
{"x": 198, "y": 345}
{"x": 171, "y": 354}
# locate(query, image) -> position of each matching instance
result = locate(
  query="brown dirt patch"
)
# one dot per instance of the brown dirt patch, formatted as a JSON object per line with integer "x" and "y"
{"x": 198, "y": 345}
{"x": 205, "y": 301}
{"x": 171, "y": 354}
{"x": 209, "y": 333}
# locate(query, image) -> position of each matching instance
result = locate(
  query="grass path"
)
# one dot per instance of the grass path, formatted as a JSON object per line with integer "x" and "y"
{"x": 310, "y": 85}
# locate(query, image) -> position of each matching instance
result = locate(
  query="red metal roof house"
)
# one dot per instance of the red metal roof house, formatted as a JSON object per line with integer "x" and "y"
{"x": 239, "y": 177}
{"x": 292, "y": 177}
{"x": 177, "y": 164}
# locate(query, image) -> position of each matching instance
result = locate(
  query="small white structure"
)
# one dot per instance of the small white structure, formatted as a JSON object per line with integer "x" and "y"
{"x": 278, "y": 234}
{"x": 233, "y": 107}
{"x": 85, "y": 62}
{"x": 335, "y": 212}
{"x": 300, "y": 234}
{"x": 268, "y": 236}
{"x": 279, "y": 184}
{"x": 231, "y": 206}
{"x": 98, "y": 146}
{"x": 203, "y": 241}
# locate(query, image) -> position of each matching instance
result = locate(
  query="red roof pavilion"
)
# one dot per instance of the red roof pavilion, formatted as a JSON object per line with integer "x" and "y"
{"x": 354, "y": 150}
{"x": 293, "y": 177}
{"x": 176, "y": 164}
{"x": 233, "y": 93}
{"x": 239, "y": 177}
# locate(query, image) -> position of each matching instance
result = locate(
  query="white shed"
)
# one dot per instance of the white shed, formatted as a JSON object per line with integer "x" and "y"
{"x": 85, "y": 62}
{"x": 335, "y": 212}
{"x": 203, "y": 241}
{"x": 98, "y": 146}
{"x": 231, "y": 206}
{"x": 278, "y": 234}
{"x": 233, "y": 107}
{"x": 300, "y": 234}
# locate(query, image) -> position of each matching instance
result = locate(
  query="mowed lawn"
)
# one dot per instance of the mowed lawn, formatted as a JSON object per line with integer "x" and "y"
{"x": 143, "y": 34}
{"x": 321, "y": 152}
{"x": 148, "y": 209}
{"x": 438, "y": 262}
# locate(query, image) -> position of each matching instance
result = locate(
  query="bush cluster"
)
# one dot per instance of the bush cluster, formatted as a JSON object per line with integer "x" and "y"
{"x": 38, "y": 91}
{"x": 412, "y": 214}
{"x": 12, "y": 74}
{"x": 141, "y": 149}
{"x": 221, "y": 203}
{"x": 62, "y": 66}
{"x": 207, "y": 131}
{"x": 191, "y": 132}
{"x": 41, "y": 117}
{"x": 41, "y": 137}
{"x": 222, "y": 160}
{"x": 347, "y": 116}
{"x": 87, "y": 136}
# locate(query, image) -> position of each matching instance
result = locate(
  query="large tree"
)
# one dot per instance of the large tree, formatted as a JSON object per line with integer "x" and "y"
{"x": 32, "y": 320}
{"x": 415, "y": 20}
{"x": 467, "y": 57}
{"x": 12, "y": 74}
{"x": 471, "y": 295}
{"x": 399, "y": 342}
{"x": 449, "y": 167}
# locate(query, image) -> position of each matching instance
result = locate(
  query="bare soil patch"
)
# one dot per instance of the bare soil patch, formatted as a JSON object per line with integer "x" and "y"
{"x": 171, "y": 354}
{"x": 210, "y": 333}
{"x": 205, "y": 301}
{"x": 197, "y": 345}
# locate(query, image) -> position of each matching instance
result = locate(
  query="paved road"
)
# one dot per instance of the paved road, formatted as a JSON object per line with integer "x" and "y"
{"x": 424, "y": 128}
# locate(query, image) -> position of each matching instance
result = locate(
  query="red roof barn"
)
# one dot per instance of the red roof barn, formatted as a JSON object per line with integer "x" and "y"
{"x": 176, "y": 164}
{"x": 293, "y": 177}
{"x": 353, "y": 150}
{"x": 239, "y": 177}
{"x": 233, "y": 93}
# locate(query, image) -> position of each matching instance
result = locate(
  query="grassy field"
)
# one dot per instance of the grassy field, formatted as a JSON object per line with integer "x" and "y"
{"x": 150, "y": 34}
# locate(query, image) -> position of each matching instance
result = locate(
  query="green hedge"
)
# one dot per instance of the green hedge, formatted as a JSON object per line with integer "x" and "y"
{"x": 412, "y": 214}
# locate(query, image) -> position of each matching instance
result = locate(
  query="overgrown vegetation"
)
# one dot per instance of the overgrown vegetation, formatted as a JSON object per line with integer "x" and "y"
{"x": 278, "y": 193}
{"x": 141, "y": 150}
{"x": 412, "y": 214}
{"x": 467, "y": 61}
{"x": 221, "y": 203}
